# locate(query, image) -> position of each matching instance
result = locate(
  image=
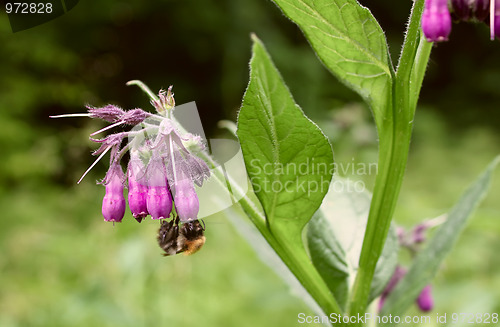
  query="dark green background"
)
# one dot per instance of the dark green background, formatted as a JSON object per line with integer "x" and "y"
{"x": 61, "y": 265}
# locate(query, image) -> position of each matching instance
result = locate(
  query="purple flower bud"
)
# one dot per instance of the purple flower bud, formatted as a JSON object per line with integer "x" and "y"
{"x": 425, "y": 301}
{"x": 398, "y": 274}
{"x": 134, "y": 116}
{"x": 113, "y": 140}
{"x": 418, "y": 233}
{"x": 495, "y": 19}
{"x": 481, "y": 9}
{"x": 109, "y": 113}
{"x": 113, "y": 204}
{"x": 461, "y": 9}
{"x": 137, "y": 192}
{"x": 436, "y": 20}
{"x": 186, "y": 200}
{"x": 158, "y": 200}
{"x": 166, "y": 100}
{"x": 467, "y": 9}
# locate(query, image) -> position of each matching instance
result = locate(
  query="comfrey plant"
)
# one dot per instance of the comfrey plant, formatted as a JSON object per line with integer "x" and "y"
{"x": 338, "y": 242}
{"x": 341, "y": 243}
{"x": 162, "y": 171}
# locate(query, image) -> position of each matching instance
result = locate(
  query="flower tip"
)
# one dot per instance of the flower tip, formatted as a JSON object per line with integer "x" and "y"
{"x": 159, "y": 202}
{"x": 442, "y": 39}
{"x": 139, "y": 217}
{"x": 425, "y": 301}
{"x": 186, "y": 201}
{"x": 436, "y": 20}
{"x": 113, "y": 203}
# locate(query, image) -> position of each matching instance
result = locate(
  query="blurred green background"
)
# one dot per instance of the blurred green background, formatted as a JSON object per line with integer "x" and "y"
{"x": 61, "y": 265}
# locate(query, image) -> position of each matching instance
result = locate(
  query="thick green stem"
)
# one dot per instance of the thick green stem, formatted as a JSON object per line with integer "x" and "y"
{"x": 392, "y": 162}
{"x": 301, "y": 266}
{"x": 393, "y": 155}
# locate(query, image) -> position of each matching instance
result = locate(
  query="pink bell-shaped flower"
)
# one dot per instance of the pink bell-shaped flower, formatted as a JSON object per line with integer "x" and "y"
{"x": 137, "y": 191}
{"x": 425, "y": 301}
{"x": 436, "y": 20}
{"x": 159, "y": 199}
{"x": 186, "y": 200}
{"x": 113, "y": 203}
{"x": 495, "y": 19}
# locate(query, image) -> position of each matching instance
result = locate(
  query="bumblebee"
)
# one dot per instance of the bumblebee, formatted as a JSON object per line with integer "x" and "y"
{"x": 187, "y": 238}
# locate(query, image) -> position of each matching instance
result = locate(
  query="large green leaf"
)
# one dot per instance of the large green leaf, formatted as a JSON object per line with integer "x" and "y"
{"x": 426, "y": 264}
{"x": 350, "y": 42}
{"x": 290, "y": 165}
{"x": 288, "y": 159}
{"x": 335, "y": 237}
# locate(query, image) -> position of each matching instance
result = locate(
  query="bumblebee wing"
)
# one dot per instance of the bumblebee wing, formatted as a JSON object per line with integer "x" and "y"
{"x": 168, "y": 237}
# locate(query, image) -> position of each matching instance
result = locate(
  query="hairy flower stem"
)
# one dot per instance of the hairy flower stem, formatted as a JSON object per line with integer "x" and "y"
{"x": 301, "y": 267}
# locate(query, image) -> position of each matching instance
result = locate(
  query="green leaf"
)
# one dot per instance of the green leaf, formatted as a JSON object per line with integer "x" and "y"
{"x": 350, "y": 43}
{"x": 386, "y": 264}
{"x": 426, "y": 264}
{"x": 418, "y": 68}
{"x": 328, "y": 257}
{"x": 335, "y": 237}
{"x": 289, "y": 162}
{"x": 288, "y": 159}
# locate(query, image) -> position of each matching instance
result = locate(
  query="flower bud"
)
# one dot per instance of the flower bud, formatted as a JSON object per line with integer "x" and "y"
{"x": 165, "y": 100}
{"x": 158, "y": 200}
{"x": 137, "y": 192}
{"x": 461, "y": 9}
{"x": 109, "y": 113}
{"x": 436, "y": 20}
{"x": 481, "y": 9}
{"x": 134, "y": 116}
{"x": 418, "y": 233}
{"x": 398, "y": 274}
{"x": 186, "y": 200}
{"x": 113, "y": 204}
{"x": 425, "y": 301}
{"x": 495, "y": 17}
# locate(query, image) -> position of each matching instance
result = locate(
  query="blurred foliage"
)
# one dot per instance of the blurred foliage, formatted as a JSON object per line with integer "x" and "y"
{"x": 62, "y": 266}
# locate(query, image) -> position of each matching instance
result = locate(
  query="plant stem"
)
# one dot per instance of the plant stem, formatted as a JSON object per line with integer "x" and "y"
{"x": 298, "y": 264}
{"x": 393, "y": 155}
{"x": 143, "y": 87}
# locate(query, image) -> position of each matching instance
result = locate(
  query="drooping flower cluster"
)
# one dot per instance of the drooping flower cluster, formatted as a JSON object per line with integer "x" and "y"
{"x": 163, "y": 168}
{"x": 438, "y": 14}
